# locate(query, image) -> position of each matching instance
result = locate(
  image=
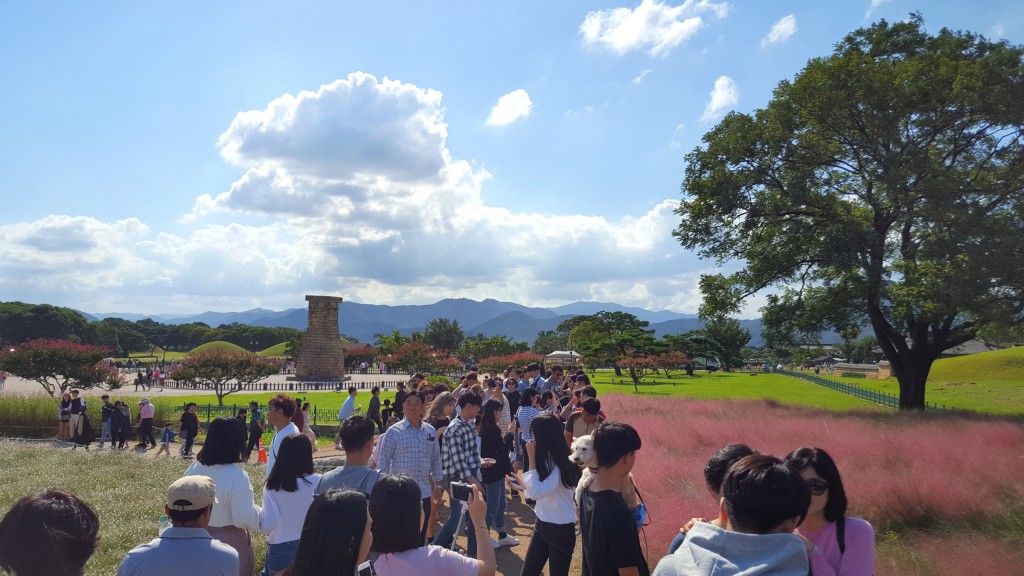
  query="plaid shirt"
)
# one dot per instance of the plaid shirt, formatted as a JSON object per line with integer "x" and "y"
{"x": 405, "y": 449}
{"x": 460, "y": 454}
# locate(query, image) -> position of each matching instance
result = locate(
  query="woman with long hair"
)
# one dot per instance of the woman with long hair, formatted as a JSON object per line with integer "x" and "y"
{"x": 64, "y": 417}
{"x": 396, "y": 519}
{"x": 306, "y": 428}
{"x": 335, "y": 536}
{"x": 235, "y": 512}
{"x": 843, "y": 545}
{"x": 495, "y": 466}
{"x": 552, "y": 484}
{"x": 286, "y": 497}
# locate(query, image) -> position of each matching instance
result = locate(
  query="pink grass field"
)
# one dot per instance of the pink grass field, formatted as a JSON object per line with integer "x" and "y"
{"x": 928, "y": 484}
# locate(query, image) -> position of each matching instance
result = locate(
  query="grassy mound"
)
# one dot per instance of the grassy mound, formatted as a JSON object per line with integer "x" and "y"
{"x": 275, "y": 351}
{"x": 219, "y": 346}
{"x": 1006, "y": 366}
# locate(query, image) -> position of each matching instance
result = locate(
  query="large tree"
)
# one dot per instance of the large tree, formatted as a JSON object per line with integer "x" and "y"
{"x": 224, "y": 372}
{"x": 883, "y": 184}
{"x": 444, "y": 334}
{"x": 730, "y": 336}
{"x": 60, "y": 365}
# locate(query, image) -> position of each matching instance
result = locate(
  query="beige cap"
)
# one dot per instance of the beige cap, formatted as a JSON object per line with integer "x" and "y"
{"x": 191, "y": 493}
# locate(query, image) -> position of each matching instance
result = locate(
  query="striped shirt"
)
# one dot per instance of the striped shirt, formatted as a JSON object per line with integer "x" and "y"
{"x": 405, "y": 449}
{"x": 526, "y": 415}
{"x": 460, "y": 455}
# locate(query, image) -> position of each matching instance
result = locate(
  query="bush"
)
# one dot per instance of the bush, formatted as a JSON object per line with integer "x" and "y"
{"x": 853, "y": 375}
{"x": 36, "y": 416}
{"x": 439, "y": 379}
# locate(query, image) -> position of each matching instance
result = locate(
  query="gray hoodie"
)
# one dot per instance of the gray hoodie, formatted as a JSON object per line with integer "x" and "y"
{"x": 712, "y": 551}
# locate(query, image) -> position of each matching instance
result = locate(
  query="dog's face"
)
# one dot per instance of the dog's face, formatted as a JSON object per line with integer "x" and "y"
{"x": 583, "y": 451}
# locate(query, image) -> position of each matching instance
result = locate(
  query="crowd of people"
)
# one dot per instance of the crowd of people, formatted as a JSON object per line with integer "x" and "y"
{"x": 490, "y": 439}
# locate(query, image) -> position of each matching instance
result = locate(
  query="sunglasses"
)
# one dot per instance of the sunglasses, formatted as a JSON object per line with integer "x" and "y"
{"x": 817, "y": 486}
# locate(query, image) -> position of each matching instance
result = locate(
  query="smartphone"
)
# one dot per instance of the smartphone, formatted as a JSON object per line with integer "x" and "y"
{"x": 461, "y": 491}
{"x": 366, "y": 569}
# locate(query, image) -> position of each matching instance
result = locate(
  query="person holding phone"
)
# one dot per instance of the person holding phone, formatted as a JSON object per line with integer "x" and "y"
{"x": 395, "y": 517}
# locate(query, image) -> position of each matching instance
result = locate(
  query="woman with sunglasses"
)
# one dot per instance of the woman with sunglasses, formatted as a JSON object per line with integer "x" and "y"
{"x": 842, "y": 546}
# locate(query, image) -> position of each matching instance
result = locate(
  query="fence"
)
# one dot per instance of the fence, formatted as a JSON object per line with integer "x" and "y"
{"x": 290, "y": 386}
{"x": 209, "y": 412}
{"x": 873, "y": 396}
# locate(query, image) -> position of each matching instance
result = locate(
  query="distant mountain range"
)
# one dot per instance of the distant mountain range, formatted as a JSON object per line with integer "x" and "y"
{"x": 490, "y": 318}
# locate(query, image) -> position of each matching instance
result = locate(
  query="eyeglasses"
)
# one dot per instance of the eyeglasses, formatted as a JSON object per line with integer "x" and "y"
{"x": 817, "y": 486}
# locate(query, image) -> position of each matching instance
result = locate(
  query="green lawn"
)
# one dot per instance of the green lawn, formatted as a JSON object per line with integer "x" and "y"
{"x": 726, "y": 385}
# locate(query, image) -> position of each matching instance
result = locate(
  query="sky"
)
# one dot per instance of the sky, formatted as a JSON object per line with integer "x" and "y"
{"x": 183, "y": 156}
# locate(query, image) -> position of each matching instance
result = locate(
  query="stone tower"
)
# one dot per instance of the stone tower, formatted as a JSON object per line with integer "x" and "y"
{"x": 322, "y": 357}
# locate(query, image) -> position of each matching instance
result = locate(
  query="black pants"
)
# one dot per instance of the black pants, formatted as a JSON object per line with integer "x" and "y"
{"x": 376, "y": 420}
{"x": 426, "y": 518}
{"x": 551, "y": 543}
{"x": 254, "y": 440}
{"x": 188, "y": 437}
{"x": 146, "y": 431}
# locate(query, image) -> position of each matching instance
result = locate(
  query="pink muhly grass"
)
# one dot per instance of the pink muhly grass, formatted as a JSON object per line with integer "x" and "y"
{"x": 897, "y": 469}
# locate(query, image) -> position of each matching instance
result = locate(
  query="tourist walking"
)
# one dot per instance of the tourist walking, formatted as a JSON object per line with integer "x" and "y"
{"x": 189, "y": 428}
{"x": 287, "y": 496}
{"x": 256, "y": 426}
{"x": 146, "y": 413}
{"x": 106, "y": 426}
{"x": 280, "y": 409}
{"x": 64, "y": 417}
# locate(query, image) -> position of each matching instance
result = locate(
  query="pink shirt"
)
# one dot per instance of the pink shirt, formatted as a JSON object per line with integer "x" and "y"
{"x": 426, "y": 561}
{"x": 857, "y": 560}
{"x": 147, "y": 410}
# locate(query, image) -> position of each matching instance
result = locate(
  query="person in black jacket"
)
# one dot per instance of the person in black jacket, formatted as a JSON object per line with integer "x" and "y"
{"x": 189, "y": 428}
{"x": 495, "y": 465}
{"x": 106, "y": 412}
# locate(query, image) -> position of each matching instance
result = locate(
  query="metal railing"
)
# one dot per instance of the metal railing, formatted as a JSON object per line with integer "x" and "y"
{"x": 873, "y": 396}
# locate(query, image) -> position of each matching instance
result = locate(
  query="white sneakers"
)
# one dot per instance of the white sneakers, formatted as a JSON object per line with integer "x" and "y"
{"x": 506, "y": 541}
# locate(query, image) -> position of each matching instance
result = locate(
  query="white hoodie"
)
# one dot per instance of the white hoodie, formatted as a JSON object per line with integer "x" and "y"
{"x": 712, "y": 551}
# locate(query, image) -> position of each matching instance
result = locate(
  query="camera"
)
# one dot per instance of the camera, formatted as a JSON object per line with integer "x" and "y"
{"x": 461, "y": 491}
{"x": 366, "y": 569}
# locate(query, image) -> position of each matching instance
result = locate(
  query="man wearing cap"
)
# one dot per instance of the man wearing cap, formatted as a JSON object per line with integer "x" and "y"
{"x": 186, "y": 547}
{"x": 146, "y": 413}
{"x": 106, "y": 412}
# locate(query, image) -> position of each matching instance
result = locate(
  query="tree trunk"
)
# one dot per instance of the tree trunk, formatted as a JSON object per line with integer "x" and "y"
{"x": 911, "y": 371}
{"x": 618, "y": 371}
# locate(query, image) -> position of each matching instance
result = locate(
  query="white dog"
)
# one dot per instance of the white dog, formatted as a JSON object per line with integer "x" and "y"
{"x": 583, "y": 455}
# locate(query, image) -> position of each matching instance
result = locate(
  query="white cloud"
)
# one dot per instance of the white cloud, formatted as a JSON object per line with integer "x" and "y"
{"x": 653, "y": 25}
{"x": 998, "y": 31}
{"x": 510, "y": 107}
{"x": 781, "y": 31}
{"x": 724, "y": 96}
{"x": 331, "y": 206}
{"x": 874, "y": 5}
{"x": 640, "y": 77}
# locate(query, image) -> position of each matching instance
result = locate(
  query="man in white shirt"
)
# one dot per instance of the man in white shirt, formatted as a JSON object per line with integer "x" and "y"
{"x": 348, "y": 408}
{"x": 279, "y": 414}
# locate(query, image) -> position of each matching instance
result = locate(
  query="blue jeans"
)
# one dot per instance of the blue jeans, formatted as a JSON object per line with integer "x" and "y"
{"x": 105, "y": 434}
{"x": 279, "y": 556}
{"x": 676, "y": 543}
{"x": 494, "y": 494}
{"x": 447, "y": 533}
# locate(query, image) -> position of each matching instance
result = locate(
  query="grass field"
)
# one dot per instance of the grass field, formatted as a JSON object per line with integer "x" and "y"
{"x": 990, "y": 382}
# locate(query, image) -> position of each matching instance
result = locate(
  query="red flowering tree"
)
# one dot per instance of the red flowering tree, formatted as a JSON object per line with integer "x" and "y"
{"x": 415, "y": 357}
{"x": 671, "y": 360}
{"x": 517, "y": 360}
{"x": 638, "y": 366}
{"x": 60, "y": 365}
{"x": 223, "y": 372}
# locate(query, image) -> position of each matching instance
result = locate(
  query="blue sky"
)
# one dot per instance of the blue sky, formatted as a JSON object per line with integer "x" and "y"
{"x": 186, "y": 156}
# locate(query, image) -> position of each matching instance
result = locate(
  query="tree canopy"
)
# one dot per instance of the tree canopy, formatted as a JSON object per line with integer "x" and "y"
{"x": 882, "y": 185}
{"x": 59, "y": 365}
{"x": 223, "y": 372}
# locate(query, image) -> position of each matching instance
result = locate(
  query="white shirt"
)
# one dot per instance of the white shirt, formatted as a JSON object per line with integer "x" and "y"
{"x": 284, "y": 512}
{"x": 236, "y": 503}
{"x": 554, "y": 501}
{"x": 275, "y": 445}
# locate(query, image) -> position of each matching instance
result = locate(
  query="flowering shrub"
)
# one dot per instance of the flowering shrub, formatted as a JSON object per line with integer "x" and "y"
{"x": 901, "y": 471}
{"x": 59, "y": 365}
{"x": 517, "y": 360}
{"x": 223, "y": 372}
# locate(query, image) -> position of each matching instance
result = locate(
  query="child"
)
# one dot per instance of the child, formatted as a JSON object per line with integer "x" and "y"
{"x": 166, "y": 439}
{"x": 386, "y": 415}
{"x": 608, "y": 532}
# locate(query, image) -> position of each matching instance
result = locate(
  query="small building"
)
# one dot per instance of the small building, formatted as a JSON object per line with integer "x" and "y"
{"x": 567, "y": 357}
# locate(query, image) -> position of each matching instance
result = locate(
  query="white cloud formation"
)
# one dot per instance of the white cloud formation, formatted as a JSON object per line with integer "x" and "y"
{"x": 653, "y": 25}
{"x": 874, "y": 5}
{"x": 724, "y": 96}
{"x": 640, "y": 77}
{"x": 326, "y": 204}
{"x": 781, "y": 31}
{"x": 510, "y": 107}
